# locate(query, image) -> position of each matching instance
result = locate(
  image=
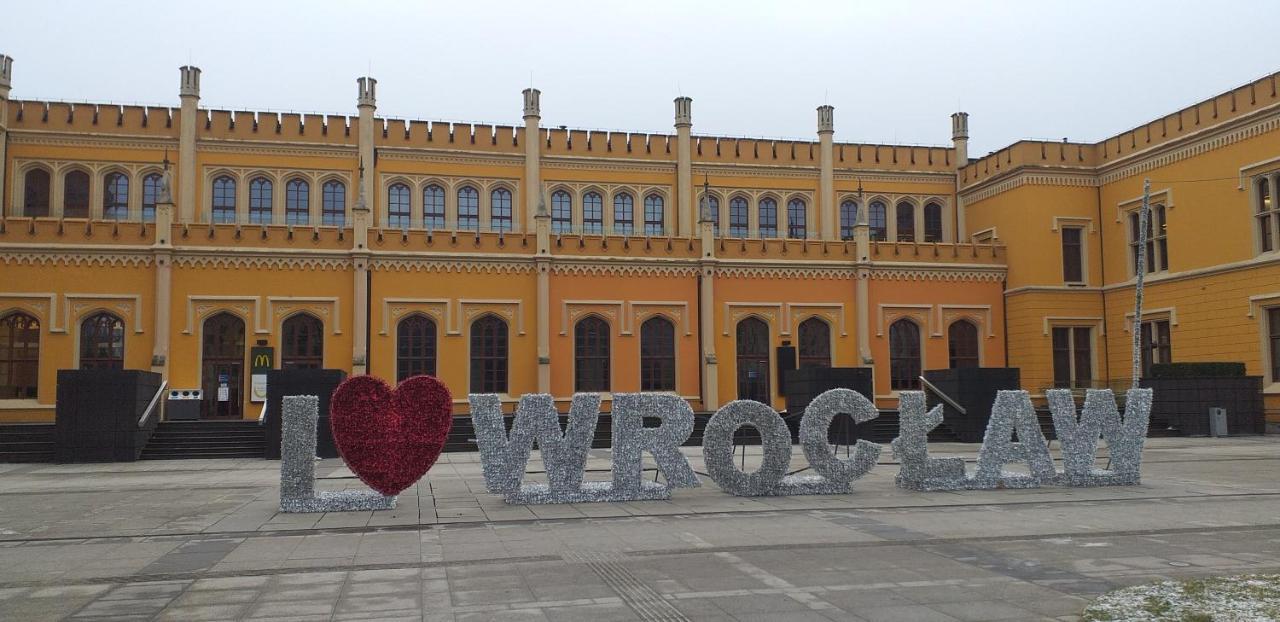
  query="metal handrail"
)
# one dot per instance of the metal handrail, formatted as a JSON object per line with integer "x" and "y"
{"x": 262, "y": 416}
{"x": 943, "y": 396}
{"x": 151, "y": 407}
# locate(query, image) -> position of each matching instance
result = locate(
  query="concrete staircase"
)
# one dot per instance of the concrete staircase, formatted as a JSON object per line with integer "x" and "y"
{"x": 26, "y": 442}
{"x": 177, "y": 440}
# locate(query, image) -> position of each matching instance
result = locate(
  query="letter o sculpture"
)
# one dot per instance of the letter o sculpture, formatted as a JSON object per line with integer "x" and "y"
{"x": 717, "y": 448}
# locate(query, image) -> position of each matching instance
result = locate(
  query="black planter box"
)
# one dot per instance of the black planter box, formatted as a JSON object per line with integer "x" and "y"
{"x": 318, "y": 382}
{"x": 97, "y": 414}
{"x": 1184, "y": 403}
{"x": 975, "y": 389}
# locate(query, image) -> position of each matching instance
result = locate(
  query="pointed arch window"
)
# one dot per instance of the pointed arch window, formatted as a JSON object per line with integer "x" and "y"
{"x": 399, "y": 211}
{"x": 102, "y": 342}
{"x": 35, "y": 203}
{"x": 657, "y": 354}
{"x": 753, "y": 359}
{"x": 561, "y": 212}
{"x": 904, "y": 355}
{"x": 150, "y": 196}
{"x": 415, "y": 347}
{"x": 302, "y": 343}
{"x": 500, "y": 210}
{"x": 815, "y": 343}
{"x": 713, "y": 210}
{"x": 796, "y": 216}
{"x": 261, "y": 200}
{"x": 877, "y": 218}
{"x": 592, "y": 213}
{"x": 739, "y": 219}
{"x": 297, "y": 202}
{"x": 654, "y": 214}
{"x": 115, "y": 196}
{"x": 623, "y": 214}
{"x": 906, "y": 219}
{"x": 333, "y": 207}
{"x": 75, "y": 195}
{"x": 468, "y": 209}
{"x": 224, "y": 200}
{"x": 1267, "y": 213}
{"x": 848, "y": 219}
{"x": 962, "y": 344}
{"x": 19, "y": 356}
{"x": 489, "y": 355}
{"x": 591, "y": 355}
{"x": 932, "y": 222}
{"x": 433, "y": 207}
{"x": 768, "y": 218}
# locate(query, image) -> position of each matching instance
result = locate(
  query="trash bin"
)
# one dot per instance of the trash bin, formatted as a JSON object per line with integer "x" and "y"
{"x": 1217, "y": 422}
{"x": 183, "y": 404}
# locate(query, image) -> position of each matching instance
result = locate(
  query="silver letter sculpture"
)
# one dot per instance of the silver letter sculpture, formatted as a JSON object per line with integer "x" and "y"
{"x": 1012, "y": 411}
{"x": 1100, "y": 418}
{"x": 911, "y": 448}
{"x": 631, "y": 439}
{"x": 834, "y": 476}
{"x": 298, "y": 466}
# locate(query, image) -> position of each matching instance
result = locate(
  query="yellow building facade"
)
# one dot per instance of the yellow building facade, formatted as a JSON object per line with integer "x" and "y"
{"x": 520, "y": 259}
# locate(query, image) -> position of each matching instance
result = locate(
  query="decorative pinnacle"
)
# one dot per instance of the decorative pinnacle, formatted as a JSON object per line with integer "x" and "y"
{"x": 826, "y": 118}
{"x": 189, "y": 86}
{"x": 704, "y": 214}
{"x": 532, "y": 102}
{"x": 684, "y": 111}
{"x": 366, "y": 92}
{"x": 960, "y": 126}
{"x": 542, "y": 206}
{"x": 6, "y": 73}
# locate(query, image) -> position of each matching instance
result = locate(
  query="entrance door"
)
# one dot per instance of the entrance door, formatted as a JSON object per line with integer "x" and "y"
{"x": 753, "y": 360}
{"x": 222, "y": 367}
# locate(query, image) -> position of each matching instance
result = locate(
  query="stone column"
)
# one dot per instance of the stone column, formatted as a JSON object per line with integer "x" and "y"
{"x": 360, "y": 219}
{"x": 706, "y": 302}
{"x": 960, "y": 142}
{"x": 366, "y": 103}
{"x": 684, "y": 170}
{"x": 862, "y": 252}
{"x": 532, "y": 156}
{"x": 189, "y": 93}
{"x": 542, "y": 262}
{"x": 162, "y": 249}
{"x": 827, "y": 210}
{"x": 6, "y": 82}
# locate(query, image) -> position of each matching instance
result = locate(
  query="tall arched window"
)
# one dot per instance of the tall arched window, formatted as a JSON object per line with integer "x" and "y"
{"x": 753, "y": 360}
{"x": 877, "y": 218}
{"x": 848, "y": 219}
{"x": 102, "y": 342}
{"x": 224, "y": 200}
{"x": 654, "y": 214}
{"x": 815, "y": 343}
{"x": 35, "y": 202}
{"x": 657, "y": 354}
{"x": 433, "y": 207}
{"x": 1266, "y": 205}
{"x": 150, "y": 195}
{"x": 297, "y": 202}
{"x": 768, "y": 218}
{"x": 115, "y": 196}
{"x": 904, "y": 355}
{"x": 75, "y": 195}
{"x": 302, "y": 343}
{"x": 739, "y": 218}
{"x": 261, "y": 200}
{"x": 623, "y": 214}
{"x": 399, "y": 211}
{"x": 561, "y": 212}
{"x": 592, "y": 213}
{"x": 415, "y": 347}
{"x": 222, "y": 362}
{"x": 333, "y": 205}
{"x": 796, "y": 217}
{"x": 19, "y": 356}
{"x": 591, "y": 355}
{"x": 488, "y": 355}
{"x": 468, "y": 208}
{"x": 906, "y": 217}
{"x": 500, "y": 210}
{"x": 932, "y": 222}
{"x": 713, "y": 210}
{"x": 962, "y": 344}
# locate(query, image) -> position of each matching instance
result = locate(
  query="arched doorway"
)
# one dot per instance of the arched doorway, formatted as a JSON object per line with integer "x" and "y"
{"x": 222, "y": 363}
{"x": 303, "y": 344}
{"x": 753, "y": 360}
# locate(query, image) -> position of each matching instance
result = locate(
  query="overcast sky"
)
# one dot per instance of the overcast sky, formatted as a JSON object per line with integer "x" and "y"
{"x": 894, "y": 70}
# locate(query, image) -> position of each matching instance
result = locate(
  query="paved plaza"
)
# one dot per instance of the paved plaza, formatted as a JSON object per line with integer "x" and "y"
{"x": 202, "y": 540}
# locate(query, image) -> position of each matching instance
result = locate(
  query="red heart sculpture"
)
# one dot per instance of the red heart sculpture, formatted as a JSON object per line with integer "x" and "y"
{"x": 390, "y": 439}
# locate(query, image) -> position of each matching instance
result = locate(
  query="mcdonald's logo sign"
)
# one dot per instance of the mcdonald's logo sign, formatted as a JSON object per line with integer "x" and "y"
{"x": 262, "y": 358}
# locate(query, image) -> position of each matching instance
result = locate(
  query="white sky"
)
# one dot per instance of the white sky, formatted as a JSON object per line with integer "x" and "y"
{"x": 895, "y": 71}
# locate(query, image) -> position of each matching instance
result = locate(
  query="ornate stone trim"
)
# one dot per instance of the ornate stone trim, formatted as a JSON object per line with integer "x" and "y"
{"x": 223, "y": 145}
{"x": 281, "y": 307}
{"x": 63, "y": 257}
{"x": 925, "y": 314}
{"x": 488, "y": 265}
{"x": 936, "y": 273}
{"x": 624, "y": 315}
{"x": 201, "y": 306}
{"x": 639, "y": 268}
{"x": 127, "y": 305}
{"x": 44, "y": 304}
{"x": 79, "y": 139}
{"x": 185, "y": 259}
